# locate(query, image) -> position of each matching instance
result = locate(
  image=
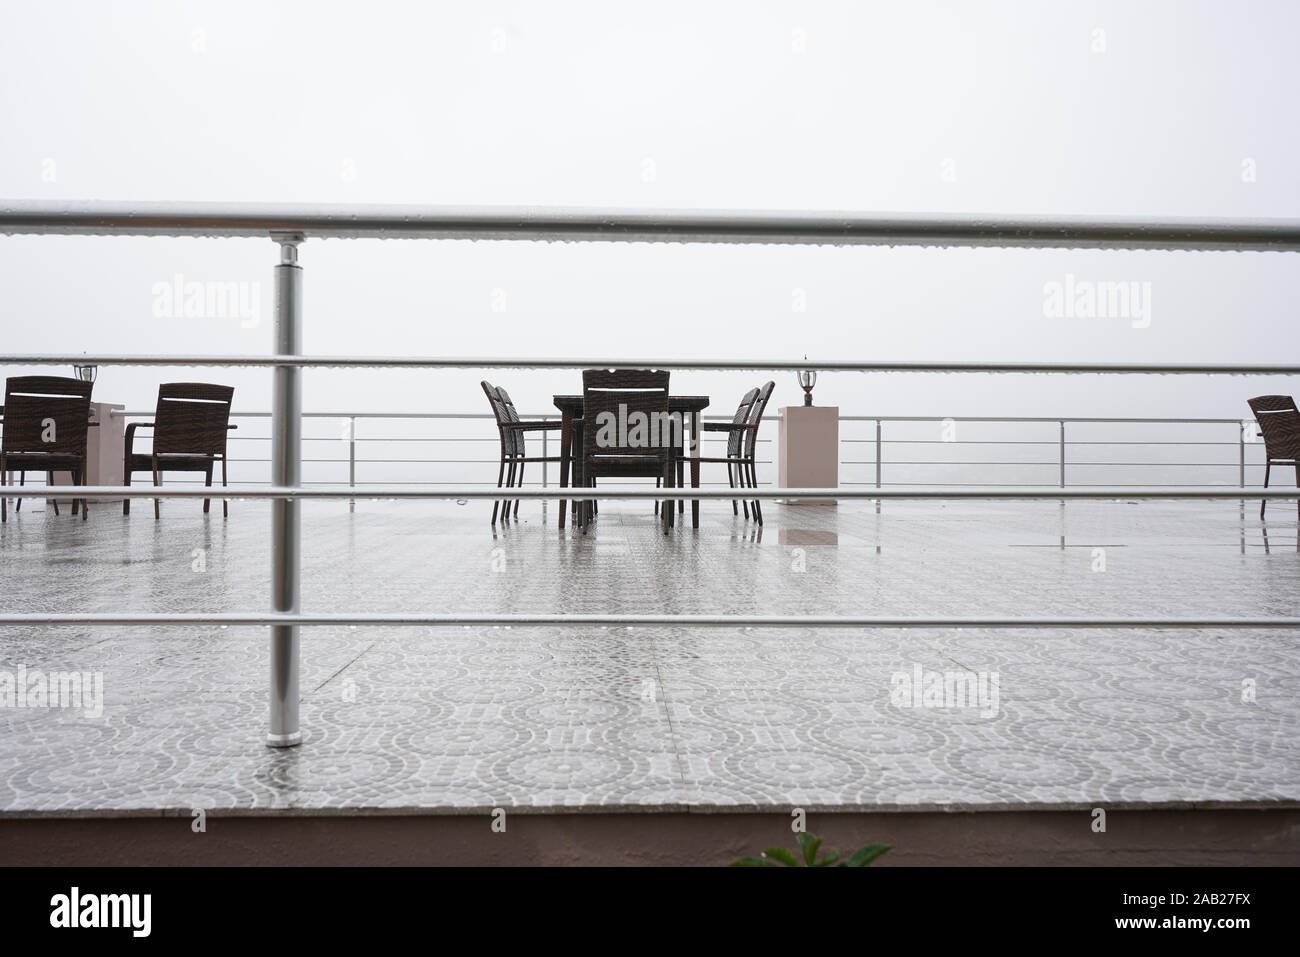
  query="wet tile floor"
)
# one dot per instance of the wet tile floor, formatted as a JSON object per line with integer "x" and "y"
{"x": 460, "y": 718}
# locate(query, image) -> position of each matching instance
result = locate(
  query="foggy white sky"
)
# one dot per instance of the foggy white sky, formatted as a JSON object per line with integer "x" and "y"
{"x": 1001, "y": 107}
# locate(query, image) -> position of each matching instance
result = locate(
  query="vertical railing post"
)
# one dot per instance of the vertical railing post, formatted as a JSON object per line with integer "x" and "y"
{"x": 352, "y": 460}
{"x": 1241, "y": 478}
{"x": 1062, "y": 482}
{"x": 286, "y": 471}
{"x": 879, "y": 444}
{"x": 546, "y": 454}
{"x": 1241, "y": 457}
{"x": 1062, "y": 443}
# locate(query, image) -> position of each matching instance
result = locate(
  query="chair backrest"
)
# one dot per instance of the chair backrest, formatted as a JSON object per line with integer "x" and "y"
{"x": 494, "y": 401}
{"x": 511, "y": 415}
{"x": 45, "y": 413}
{"x": 756, "y": 417}
{"x": 1279, "y": 420}
{"x": 741, "y": 417}
{"x": 625, "y": 413}
{"x": 192, "y": 418}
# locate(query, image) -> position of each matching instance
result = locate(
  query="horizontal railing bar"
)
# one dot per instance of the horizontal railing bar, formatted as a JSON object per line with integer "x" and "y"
{"x": 724, "y": 418}
{"x": 1055, "y": 443}
{"x": 1127, "y": 489}
{"x": 545, "y": 416}
{"x": 362, "y": 415}
{"x": 821, "y": 365}
{"x": 1053, "y": 464}
{"x": 1054, "y": 419}
{"x": 649, "y": 494}
{"x": 578, "y": 224}
{"x": 470, "y": 620}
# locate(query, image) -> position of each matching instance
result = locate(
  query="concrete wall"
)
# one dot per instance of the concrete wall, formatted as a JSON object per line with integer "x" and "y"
{"x": 1164, "y": 837}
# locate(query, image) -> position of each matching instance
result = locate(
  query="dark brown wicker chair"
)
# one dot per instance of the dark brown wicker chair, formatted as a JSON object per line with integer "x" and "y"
{"x": 736, "y": 430}
{"x": 513, "y": 433}
{"x": 749, "y": 443}
{"x": 46, "y": 419}
{"x": 1279, "y": 424}
{"x": 190, "y": 427}
{"x": 619, "y": 398}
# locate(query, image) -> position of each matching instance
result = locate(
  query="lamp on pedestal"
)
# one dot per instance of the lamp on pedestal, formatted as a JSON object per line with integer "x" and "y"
{"x": 807, "y": 379}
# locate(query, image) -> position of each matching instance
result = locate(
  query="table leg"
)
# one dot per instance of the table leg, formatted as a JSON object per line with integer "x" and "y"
{"x": 577, "y": 478}
{"x": 566, "y": 454}
{"x": 695, "y": 466}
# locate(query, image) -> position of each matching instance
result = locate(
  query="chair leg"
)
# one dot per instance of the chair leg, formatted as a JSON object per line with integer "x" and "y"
{"x": 584, "y": 506}
{"x": 72, "y": 474}
{"x": 77, "y": 476}
{"x": 207, "y": 502}
{"x": 126, "y": 502}
{"x": 49, "y": 480}
{"x": 731, "y": 480}
{"x": 501, "y": 473}
{"x": 22, "y": 480}
{"x": 1263, "y": 501}
{"x": 225, "y": 503}
{"x": 753, "y": 483}
{"x": 681, "y": 482}
{"x": 667, "y": 516}
{"x": 4, "y": 500}
{"x": 659, "y": 481}
{"x": 522, "y": 465}
{"x": 157, "y": 481}
{"x": 507, "y": 504}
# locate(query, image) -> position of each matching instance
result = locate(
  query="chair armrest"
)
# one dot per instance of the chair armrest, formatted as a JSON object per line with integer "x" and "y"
{"x": 228, "y": 427}
{"x": 130, "y": 433}
{"x": 719, "y": 426}
{"x": 530, "y": 426}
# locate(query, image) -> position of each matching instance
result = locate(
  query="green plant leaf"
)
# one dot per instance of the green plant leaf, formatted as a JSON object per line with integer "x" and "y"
{"x": 828, "y": 859}
{"x": 809, "y": 844}
{"x": 865, "y": 855}
{"x": 784, "y": 855}
{"x": 750, "y": 862}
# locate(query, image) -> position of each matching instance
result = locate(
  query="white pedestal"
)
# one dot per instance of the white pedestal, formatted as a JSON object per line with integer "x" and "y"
{"x": 808, "y": 450}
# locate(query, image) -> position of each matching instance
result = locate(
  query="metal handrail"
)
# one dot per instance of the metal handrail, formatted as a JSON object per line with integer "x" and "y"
{"x": 469, "y": 619}
{"x": 569, "y": 224}
{"x": 299, "y": 361}
{"x": 467, "y": 492}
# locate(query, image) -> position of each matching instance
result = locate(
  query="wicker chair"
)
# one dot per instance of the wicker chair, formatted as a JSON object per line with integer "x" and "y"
{"x": 1279, "y": 424}
{"x": 190, "y": 427}
{"x": 749, "y": 443}
{"x": 46, "y": 419}
{"x": 513, "y": 433}
{"x": 736, "y": 430}
{"x": 619, "y": 397}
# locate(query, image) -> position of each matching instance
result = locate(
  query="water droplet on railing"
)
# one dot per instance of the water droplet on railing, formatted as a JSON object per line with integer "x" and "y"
{"x": 462, "y": 501}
